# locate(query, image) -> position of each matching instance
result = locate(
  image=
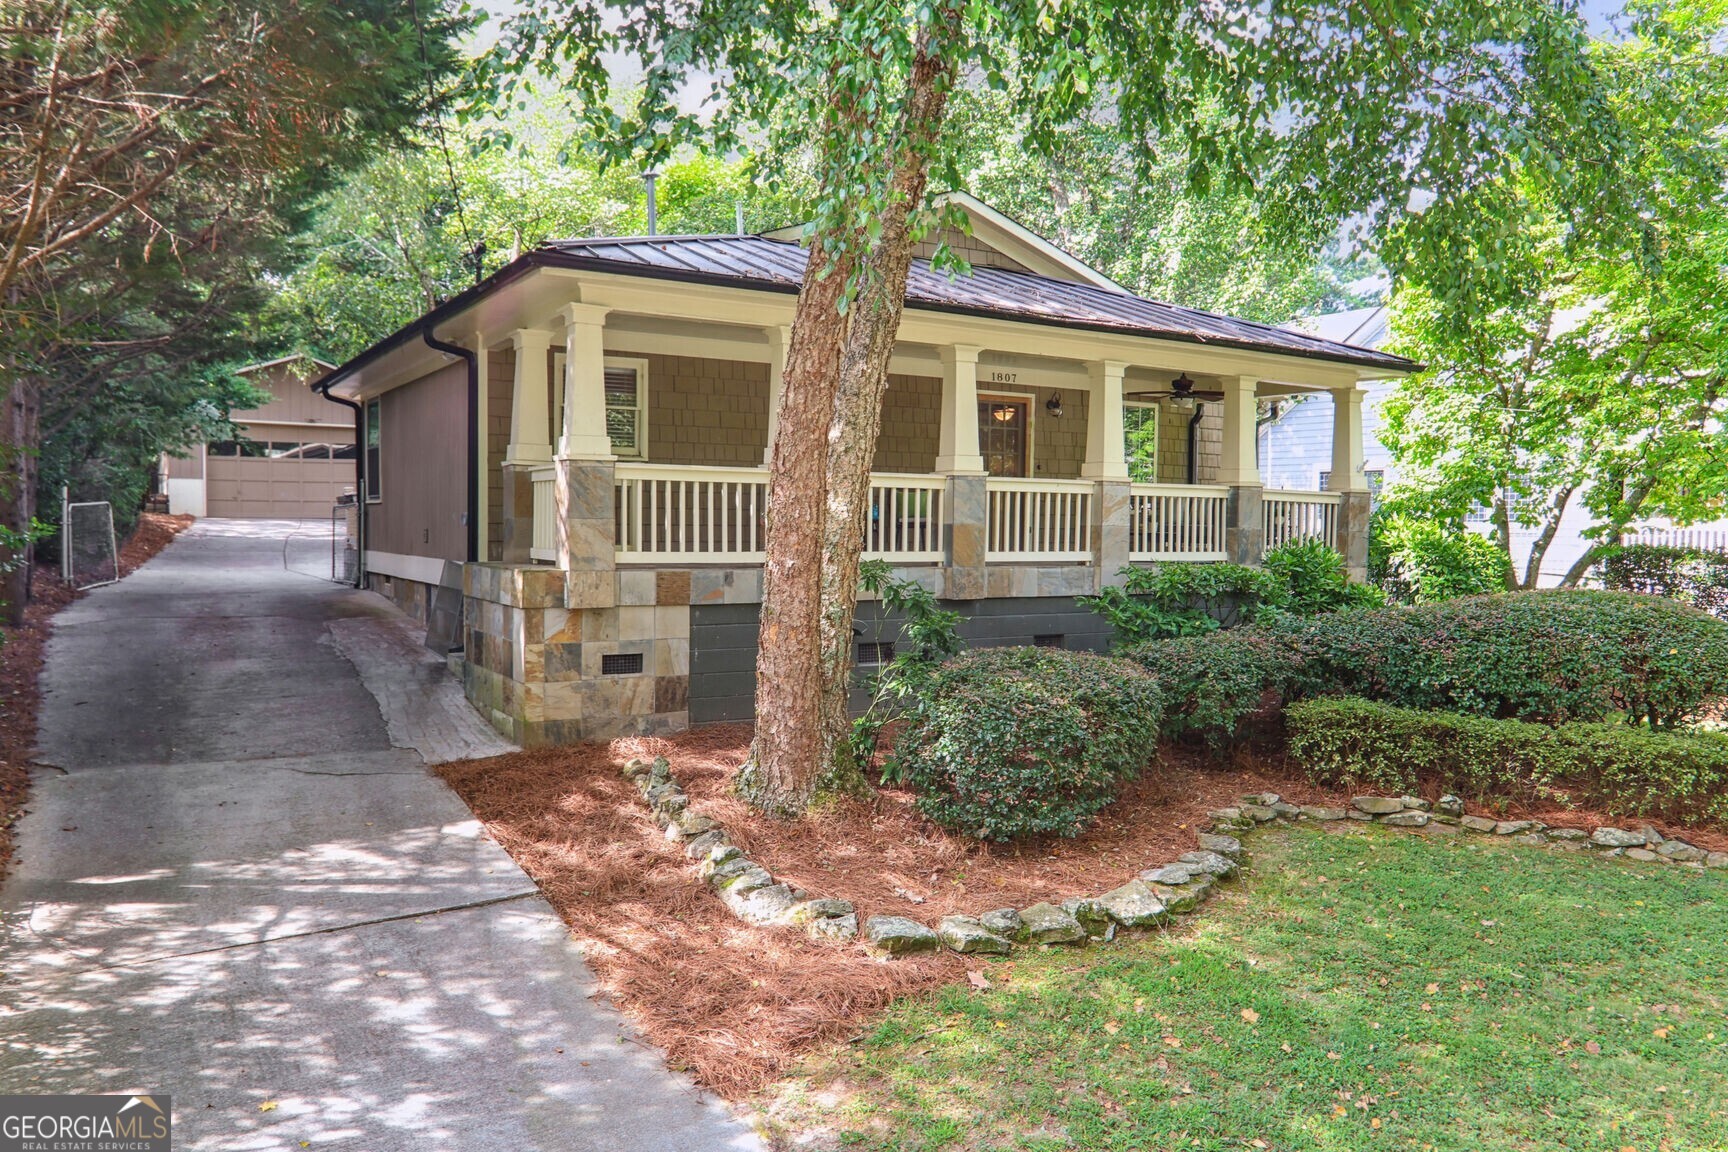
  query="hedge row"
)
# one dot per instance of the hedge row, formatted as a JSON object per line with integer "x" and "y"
{"x": 1617, "y": 768}
{"x": 1549, "y": 657}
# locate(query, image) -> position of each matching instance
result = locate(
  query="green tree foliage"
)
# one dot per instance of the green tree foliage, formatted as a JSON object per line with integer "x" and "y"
{"x": 1323, "y": 110}
{"x": 1418, "y": 560}
{"x": 1587, "y": 372}
{"x": 153, "y": 154}
{"x": 400, "y": 236}
{"x": 1147, "y": 227}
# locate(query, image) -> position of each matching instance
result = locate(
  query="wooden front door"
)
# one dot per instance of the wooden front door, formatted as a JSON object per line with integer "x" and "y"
{"x": 1004, "y": 434}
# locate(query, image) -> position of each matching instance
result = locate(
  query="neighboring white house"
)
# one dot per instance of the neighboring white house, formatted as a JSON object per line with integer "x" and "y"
{"x": 1295, "y": 445}
{"x": 295, "y": 455}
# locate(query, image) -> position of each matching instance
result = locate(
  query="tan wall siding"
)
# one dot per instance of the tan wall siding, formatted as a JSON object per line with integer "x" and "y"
{"x": 300, "y": 433}
{"x": 1059, "y": 444}
{"x": 292, "y": 399}
{"x": 190, "y": 467}
{"x": 1173, "y": 444}
{"x": 976, "y": 252}
{"x": 911, "y": 425}
{"x": 423, "y": 467}
{"x": 705, "y": 412}
{"x": 500, "y": 395}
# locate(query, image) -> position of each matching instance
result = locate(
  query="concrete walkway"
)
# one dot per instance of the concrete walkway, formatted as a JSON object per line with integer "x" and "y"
{"x": 238, "y": 884}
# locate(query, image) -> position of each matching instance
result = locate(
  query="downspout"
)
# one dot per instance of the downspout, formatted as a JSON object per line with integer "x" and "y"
{"x": 359, "y": 411}
{"x": 1194, "y": 442}
{"x": 473, "y": 360}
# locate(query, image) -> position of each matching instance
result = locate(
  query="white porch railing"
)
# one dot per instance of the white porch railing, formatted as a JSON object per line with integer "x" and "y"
{"x": 545, "y": 543}
{"x": 1039, "y": 520}
{"x": 905, "y": 519}
{"x": 699, "y": 515}
{"x": 675, "y": 513}
{"x": 1176, "y": 522}
{"x": 1288, "y": 516}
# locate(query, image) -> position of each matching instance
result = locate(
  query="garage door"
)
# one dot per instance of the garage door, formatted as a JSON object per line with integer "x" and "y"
{"x": 296, "y": 483}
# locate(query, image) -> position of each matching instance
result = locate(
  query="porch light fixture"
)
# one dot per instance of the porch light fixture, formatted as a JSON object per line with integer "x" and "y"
{"x": 1003, "y": 412}
{"x": 1054, "y": 405}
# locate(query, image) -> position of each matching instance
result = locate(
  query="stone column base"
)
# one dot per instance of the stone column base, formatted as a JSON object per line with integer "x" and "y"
{"x": 1244, "y": 525}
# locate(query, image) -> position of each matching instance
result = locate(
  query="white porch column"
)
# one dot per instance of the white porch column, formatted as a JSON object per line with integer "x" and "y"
{"x": 1347, "y": 474}
{"x": 584, "y": 436}
{"x": 779, "y": 338}
{"x": 1106, "y": 453}
{"x": 530, "y": 423}
{"x": 957, "y": 451}
{"x": 1239, "y": 463}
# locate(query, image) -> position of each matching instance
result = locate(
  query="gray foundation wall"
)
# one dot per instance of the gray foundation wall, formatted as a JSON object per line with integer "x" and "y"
{"x": 723, "y": 642}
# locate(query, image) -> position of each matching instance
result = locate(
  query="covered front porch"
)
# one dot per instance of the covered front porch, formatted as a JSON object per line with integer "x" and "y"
{"x": 624, "y": 485}
{"x": 622, "y": 447}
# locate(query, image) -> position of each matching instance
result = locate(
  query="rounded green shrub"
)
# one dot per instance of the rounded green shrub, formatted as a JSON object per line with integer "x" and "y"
{"x": 1212, "y": 685}
{"x": 1011, "y": 742}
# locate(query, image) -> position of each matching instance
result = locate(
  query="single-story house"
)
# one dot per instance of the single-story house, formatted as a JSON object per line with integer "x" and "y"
{"x": 293, "y": 458}
{"x": 574, "y": 452}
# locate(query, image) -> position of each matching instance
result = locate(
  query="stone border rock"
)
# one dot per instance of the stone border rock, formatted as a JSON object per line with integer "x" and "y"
{"x": 1155, "y": 897}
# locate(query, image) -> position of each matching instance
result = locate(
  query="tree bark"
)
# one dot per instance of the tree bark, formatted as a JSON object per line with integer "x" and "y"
{"x": 863, "y": 379}
{"x": 18, "y": 494}
{"x": 1539, "y": 546}
{"x": 787, "y": 748}
{"x": 830, "y": 415}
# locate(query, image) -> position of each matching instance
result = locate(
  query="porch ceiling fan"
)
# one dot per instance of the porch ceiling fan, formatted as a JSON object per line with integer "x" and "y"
{"x": 1181, "y": 388}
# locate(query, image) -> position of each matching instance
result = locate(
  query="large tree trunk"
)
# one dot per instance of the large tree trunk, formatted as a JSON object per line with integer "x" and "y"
{"x": 830, "y": 415}
{"x": 781, "y": 774}
{"x": 863, "y": 379}
{"x": 17, "y": 492}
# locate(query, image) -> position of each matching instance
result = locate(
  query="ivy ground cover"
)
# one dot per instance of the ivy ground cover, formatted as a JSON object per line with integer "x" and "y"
{"x": 1357, "y": 990}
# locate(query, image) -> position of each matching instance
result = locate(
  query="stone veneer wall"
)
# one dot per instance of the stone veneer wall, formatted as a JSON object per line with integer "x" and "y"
{"x": 533, "y": 667}
{"x": 409, "y": 595}
{"x": 705, "y": 412}
{"x": 500, "y": 395}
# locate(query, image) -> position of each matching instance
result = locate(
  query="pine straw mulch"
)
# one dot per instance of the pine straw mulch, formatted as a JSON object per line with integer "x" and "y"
{"x": 21, "y": 650}
{"x": 737, "y": 1005}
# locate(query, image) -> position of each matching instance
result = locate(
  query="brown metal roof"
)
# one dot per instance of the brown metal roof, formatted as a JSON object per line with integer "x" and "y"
{"x": 778, "y": 265}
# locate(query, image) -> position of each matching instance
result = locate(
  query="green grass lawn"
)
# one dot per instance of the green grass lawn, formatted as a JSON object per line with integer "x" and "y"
{"x": 1356, "y": 990}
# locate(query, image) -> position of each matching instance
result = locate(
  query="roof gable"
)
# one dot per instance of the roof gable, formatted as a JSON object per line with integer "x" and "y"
{"x": 996, "y": 240}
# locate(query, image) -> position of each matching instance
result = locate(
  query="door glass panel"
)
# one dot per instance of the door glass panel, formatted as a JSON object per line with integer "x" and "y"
{"x": 1002, "y": 426}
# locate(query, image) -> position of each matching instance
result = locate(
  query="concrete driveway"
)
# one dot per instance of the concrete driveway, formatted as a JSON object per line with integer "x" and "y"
{"x": 239, "y": 885}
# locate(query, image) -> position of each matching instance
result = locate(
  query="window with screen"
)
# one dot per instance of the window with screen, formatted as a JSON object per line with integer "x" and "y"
{"x": 626, "y": 403}
{"x": 374, "y": 456}
{"x": 1140, "y": 434}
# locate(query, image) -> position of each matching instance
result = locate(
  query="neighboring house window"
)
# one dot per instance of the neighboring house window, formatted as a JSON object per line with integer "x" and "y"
{"x": 374, "y": 456}
{"x": 627, "y": 406}
{"x": 1324, "y": 484}
{"x": 1140, "y": 432}
{"x": 1375, "y": 478}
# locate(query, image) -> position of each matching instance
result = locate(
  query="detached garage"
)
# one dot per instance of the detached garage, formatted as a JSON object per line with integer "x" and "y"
{"x": 294, "y": 457}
